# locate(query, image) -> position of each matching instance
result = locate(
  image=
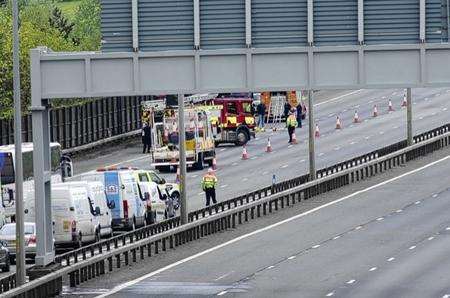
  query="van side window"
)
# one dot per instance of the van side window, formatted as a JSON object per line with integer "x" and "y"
{"x": 143, "y": 178}
{"x": 231, "y": 108}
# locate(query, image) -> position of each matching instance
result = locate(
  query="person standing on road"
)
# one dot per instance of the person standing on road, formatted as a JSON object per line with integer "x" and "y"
{"x": 291, "y": 124}
{"x": 146, "y": 138}
{"x": 209, "y": 184}
{"x": 299, "y": 115}
{"x": 261, "y": 109}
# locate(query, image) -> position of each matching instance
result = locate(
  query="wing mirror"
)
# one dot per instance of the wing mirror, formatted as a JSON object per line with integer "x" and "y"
{"x": 97, "y": 210}
{"x": 111, "y": 205}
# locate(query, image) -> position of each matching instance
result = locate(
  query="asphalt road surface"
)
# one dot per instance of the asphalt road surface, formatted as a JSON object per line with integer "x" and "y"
{"x": 430, "y": 110}
{"x": 391, "y": 239}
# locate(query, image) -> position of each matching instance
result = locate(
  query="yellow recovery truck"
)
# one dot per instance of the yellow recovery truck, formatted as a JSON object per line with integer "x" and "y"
{"x": 200, "y": 146}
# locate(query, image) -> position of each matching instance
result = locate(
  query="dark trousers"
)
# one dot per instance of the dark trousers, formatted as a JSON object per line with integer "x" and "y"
{"x": 299, "y": 121}
{"x": 210, "y": 194}
{"x": 146, "y": 148}
{"x": 291, "y": 130}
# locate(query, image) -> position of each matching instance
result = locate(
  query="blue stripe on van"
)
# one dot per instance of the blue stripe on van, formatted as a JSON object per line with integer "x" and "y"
{"x": 112, "y": 187}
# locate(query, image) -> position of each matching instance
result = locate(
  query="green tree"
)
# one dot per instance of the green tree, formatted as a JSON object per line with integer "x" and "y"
{"x": 35, "y": 31}
{"x": 86, "y": 31}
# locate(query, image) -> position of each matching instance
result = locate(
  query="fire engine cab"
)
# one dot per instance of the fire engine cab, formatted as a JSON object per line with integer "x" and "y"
{"x": 232, "y": 120}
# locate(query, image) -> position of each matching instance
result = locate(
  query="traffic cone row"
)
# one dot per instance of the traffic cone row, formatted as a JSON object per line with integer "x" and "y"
{"x": 404, "y": 102}
{"x": 269, "y": 146}
{"x": 214, "y": 163}
{"x": 356, "y": 117}
{"x": 294, "y": 138}
{"x": 244, "y": 153}
{"x": 317, "y": 132}
{"x": 391, "y": 107}
{"x": 375, "y": 111}
{"x": 338, "y": 123}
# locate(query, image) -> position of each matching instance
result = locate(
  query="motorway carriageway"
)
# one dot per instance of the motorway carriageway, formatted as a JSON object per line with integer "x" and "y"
{"x": 430, "y": 110}
{"x": 390, "y": 239}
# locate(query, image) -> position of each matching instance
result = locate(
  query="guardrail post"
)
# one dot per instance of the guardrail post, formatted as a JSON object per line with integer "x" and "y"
{"x": 409, "y": 128}
{"x": 312, "y": 154}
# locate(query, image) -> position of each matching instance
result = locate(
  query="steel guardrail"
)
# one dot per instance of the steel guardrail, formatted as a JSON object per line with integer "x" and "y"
{"x": 85, "y": 269}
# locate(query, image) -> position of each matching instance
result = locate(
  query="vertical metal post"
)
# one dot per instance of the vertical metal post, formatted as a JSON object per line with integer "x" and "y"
{"x": 312, "y": 153}
{"x": 361, "y": 22}
{"x": 409, "y": 117}
{"x": 41, "y": 167}
{"x": 310, "y": 22}
{"x": 448, "y": 20}
{"x": 422, "y": 23}
{"x": 20, "y": 235}
{"x": 182, "y": 139}
{"x": 135, "y": 24}
{"x": 248, "y": 23}
{"x": 196, "y": 24}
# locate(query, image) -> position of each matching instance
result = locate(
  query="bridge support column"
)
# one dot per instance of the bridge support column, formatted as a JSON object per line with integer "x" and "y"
{"x": 409, "y": 129}
{"x": 182, "y": 156}
{"x": 312, "y": 153}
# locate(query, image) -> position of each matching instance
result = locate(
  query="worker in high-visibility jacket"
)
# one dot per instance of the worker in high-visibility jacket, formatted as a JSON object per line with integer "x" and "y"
{"x": 209, "y": 183}
{"x": 291, "y": 124}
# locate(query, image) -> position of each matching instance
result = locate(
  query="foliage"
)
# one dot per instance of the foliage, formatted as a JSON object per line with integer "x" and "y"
{"x": 41, "y": 24}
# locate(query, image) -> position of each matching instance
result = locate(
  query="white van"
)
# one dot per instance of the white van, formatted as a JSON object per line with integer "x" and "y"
{"x": 128, "y": 208}
{"x": 74, "y": 223}
{"x": 99, "y": 205}
{"x": 155, "y": 203}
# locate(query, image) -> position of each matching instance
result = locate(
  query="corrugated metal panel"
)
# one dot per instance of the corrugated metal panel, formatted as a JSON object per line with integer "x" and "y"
{"x": 335, "y": 22}
{"x": 434, "y": 30}
{"x": 166, "y": 25}
{"x": 116, "y": 26}
{"x": 278, "y": 23}
{"x": 222, "y": 24}
{"x": 391, "y": 21}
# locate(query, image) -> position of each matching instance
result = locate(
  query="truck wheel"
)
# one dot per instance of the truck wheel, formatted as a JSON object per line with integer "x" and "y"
{"x": 199, "y": 164}
{"x": 242, "y": 138}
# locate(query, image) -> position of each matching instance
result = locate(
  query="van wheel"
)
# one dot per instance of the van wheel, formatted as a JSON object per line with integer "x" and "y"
{"x": 79, "y": 243}
{"x": 97, "y": 236}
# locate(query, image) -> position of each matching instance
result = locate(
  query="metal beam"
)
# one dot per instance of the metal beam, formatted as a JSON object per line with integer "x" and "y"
{"x": 312, "y": 150}
{"x": 196, "y": 24}
{"x": 310, "y": 22}
{"x": 135, "y": 24}
{"x": 182, "y": 146}
{"x": 361, "y": 22}
{"x": 248, "y": 23}
{"x": 409, "y": 128}
{"x": 183, "y": 72}
{"x": 422, "y": 22}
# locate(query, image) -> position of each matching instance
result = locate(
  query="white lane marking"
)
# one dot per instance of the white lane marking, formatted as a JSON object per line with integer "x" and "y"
{"x": 390, "y": 259}
{"x": 437, "y": 94}
{"x": 353, "y": 143}
{"x": 291, "y": 257}
{"x": 337, "y": 237}
{"x": 351, "y": 281}
{"x": 316, "y": 246}
{"x": 381, "y": 132}
{"x": 367, "y": 138}
{"x": 426, "y": 98}
{"x": 421, "y": 118}
{"x": 446, "y": 296}
{"x": 201, "y": 193}
{"x": 357, "y": 106}
{"x": 435, "y": 195}
{"x": 370, "y": 101}
{"x": 254, "y": 157}
{"x": 395, "y": 127}
{"x": 417, "y": 203}
{"x": 447, "y": 229}
{"x": 245, "y": 179}
{"x": 331, "y": 115}
{"x": 394, "y": 93}
{"x": 412, "y": 247}
{"x": 321, "y": 154}
{"x": 433, "y": 114}
{"x": 444, "y": 109}
{"x": 222, "y": 293}
{"x": 330, "y": 294}
{"x": 351, "y": 125}
{"x": 223, "y": 276}
{"x": 358, "y": 228}
{"x": 366, "y": 120}
{"x": 290, "y": 146}
{"x": 234, "y": 164}
{"x": 224, "y": 186}
{"x": 285, "y": 166}
{"x": 337, "y": 98}
{"x": 431, "y": 238}
{"x": 384, "y": 97}
{"x": 380, "y": 219}
{"x": 223, "y": 149}
{"x": 344, "y": 111}
{"x": 399, "y": 211}
{"x": 302, "y": 160}
{"x": 337, "y": 148}
{"x": 373, "y": 269}
{"x": 245, "y": 236}
{"x": 270, "y": 267}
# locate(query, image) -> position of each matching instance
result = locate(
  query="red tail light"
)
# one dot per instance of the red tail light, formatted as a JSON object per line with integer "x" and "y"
{"x": 125, "y": 209}
{"x": 74, "y": 226}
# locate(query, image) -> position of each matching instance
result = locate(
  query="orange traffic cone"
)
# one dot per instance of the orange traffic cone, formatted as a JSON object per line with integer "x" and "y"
{"x": 244, "y": 153}
{"x": 269, "y": 146}
{"x": 317, "y": 133}
{"x": 391, "y": 108}
{"x": 294, "y": 138}
{"x": 214, "y": 164}
{"x": 356, "y": 117}
{"x": 375, "y": 111}
{"x": 338, "y": 123}
{"x": 404, "y": 102}
{"x": 178, "y": 178}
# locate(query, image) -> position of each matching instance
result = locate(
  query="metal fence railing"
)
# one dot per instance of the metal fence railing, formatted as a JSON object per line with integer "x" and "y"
{"x": 84, "y": 124}
{"x": 95, "y": 260}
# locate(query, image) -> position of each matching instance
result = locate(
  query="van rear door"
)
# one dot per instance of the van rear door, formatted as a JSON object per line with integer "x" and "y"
{"x": 63, "y": 216}
{"x": 112, "y": 189}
